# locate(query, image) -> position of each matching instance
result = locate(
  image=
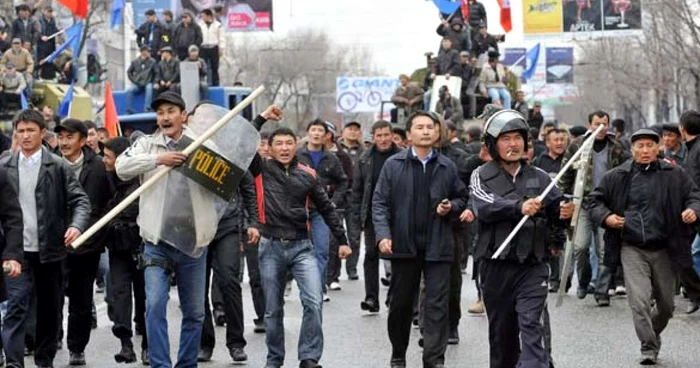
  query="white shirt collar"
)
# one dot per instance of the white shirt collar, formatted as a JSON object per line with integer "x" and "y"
{"x": 31, "y": 160}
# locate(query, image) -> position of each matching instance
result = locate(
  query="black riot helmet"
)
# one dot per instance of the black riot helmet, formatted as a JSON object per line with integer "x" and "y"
{"x": 501, "y": 122}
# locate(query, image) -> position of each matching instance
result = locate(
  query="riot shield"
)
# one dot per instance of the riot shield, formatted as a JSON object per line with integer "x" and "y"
{"x": 198, "y": 192}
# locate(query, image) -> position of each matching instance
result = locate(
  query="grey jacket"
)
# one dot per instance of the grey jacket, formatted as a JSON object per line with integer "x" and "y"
{"x": 141, "y": 72}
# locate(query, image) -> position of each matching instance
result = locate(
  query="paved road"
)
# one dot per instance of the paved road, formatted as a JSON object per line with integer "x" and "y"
{"x": 585, "y": 336}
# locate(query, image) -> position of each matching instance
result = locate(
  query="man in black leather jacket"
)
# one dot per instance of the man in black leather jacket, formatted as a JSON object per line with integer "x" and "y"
{"x": 55, "y": 211}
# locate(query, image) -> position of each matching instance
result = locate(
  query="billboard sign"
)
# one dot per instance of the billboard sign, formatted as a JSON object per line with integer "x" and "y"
{"x": 560, "y": 65}
{"x": 363, "y": 94}
{"x": 569, "y": 17}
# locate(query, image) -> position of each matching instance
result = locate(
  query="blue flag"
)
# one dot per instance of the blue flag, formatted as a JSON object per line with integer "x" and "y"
{"x": 64, "y": 107}
{"x": 532, "y": 57}
{"x": 23, "y": 99}
{"x": 117, "y": 13}
{"x": 447, "y": 6}
{"x": 73, "y": 35}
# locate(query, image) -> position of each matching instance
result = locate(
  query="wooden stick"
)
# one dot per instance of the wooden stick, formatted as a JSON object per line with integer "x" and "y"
{"x": 165, "y": 170}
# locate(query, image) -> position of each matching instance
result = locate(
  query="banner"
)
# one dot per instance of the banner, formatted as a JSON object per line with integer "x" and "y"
{"x": 363, "y": 94}
{"x": 560, "y": 65}
{"x": 542, "y": 16}
{"x": 622, "y": 14}
{"x": 575, "y": 16}
{"x": 140, "y": 7}
{"x": 511, "y": 55}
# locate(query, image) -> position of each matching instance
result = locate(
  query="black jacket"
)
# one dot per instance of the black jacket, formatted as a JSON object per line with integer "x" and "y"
{"x": 360, "y": 195}
{"x": 184, "y": 37}
{"x": 497, "y": 200}
{"x": 477, "y": 13}
{"x": 449, "y": 63}
{"x": 161, "y": 37}
{"x": 95, "y": 182}
{"x": 167, "y": 71}
{"x": 285, "y": 194}
{"x": 25, "y": 33}
{"x": 392, "y": 201}
{"x": 11, "y": 223}
{"x": 461, "y": 40}
{"x": 61, "y": 202}
{"x": 123, "y": 231}
{"x": 45, "y": 27}
{"x": 481, "y": 44}
{"x": 692, "y": 160}
{"x": 243, "y": 202}
{"x": 142, "y": 72}
{"x": 330, "y": 175}
{"x": 675, "y": 192}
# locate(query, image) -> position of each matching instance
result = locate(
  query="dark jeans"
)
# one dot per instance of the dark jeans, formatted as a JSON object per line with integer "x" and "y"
{"x": 334, "y": 262}
{"x": 371, "y": 265}
{"x": 46, "y": 279}
{"x": 515, "y": 296}
{"x": 250, "y": 251}
{"x": 459, "y": 237}
{"x": 125, "y": 277}
{"x": 405, "y": 283}
{"x": 82, "y": 269}
{"x": 210, "y": 55}
{"x": 224, "y": 258}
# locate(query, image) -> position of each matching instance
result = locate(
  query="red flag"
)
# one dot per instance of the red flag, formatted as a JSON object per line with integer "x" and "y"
{"x": 506, "y": 22}
{"x": 79, "y": 8}
{"x": 111, "y": 119}
{"x": 465, "y": 11}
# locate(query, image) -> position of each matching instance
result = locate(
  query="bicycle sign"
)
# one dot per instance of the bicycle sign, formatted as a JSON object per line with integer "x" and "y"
{"x": 363, "y": 94}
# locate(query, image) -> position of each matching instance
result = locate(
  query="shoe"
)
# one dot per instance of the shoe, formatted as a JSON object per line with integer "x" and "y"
{"x": 219, "y": 317}
{"x": 647, "y": 359}
{"x": 76, "y": 359}
{"x": 453, "y": 339}
{"x": 620, "y": 290}
{"x": 259, "y": 327}
{"x": 353, "y": 276}
{"x": 385, "y": 281}
{"x": 238, "y": 355}
{"x": 100, "y": 289}
{"x": 369, "y": 305}
{"x": 326, "y": 298}
{"x": 693, "y": 306}
{"x": 420, "y": 342}
{"x": 28, "y": 351}
{"x": 205, "y": 354}
{"x": 144, "y": 357}
{"x": 139, "y": 329}
{"x": 335, "y": 286}
{"x": 398, "y": 363}
{"x": 2, "y": 359}
{"x": 477, "y": 308}
{"x": 603, "y": 301}
{"x": 59, "y": 345}
{"x": 415, "y": 323}
{"x": 553, "y": 287}
{"x": 126, "y": 355}
{"x": 308, "y": 363}
{"x": 611, "y": 292}
{"x": 581, "y": 293}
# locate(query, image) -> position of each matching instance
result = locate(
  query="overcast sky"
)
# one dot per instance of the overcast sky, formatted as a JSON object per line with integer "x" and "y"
{"x": 398, "y": 31}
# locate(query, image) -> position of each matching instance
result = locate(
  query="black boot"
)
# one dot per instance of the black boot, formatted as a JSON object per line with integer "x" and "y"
{"x": 127, "y": 354}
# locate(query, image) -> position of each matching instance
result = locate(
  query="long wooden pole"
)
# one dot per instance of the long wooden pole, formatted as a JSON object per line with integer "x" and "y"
{"x": 165, "y": 170}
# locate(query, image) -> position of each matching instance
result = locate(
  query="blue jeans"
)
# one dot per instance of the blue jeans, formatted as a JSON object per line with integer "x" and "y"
{"x": 500, "y": 94}
{"x": 277, "y": 258}
{"x": 696, "y": 253}
{"x": 148, "y": 90}
{"x": 160, "y": 261}
{"x": 321, "y": 236}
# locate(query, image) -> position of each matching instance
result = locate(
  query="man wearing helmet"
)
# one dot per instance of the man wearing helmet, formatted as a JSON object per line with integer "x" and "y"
{"x": 514, "y": 285}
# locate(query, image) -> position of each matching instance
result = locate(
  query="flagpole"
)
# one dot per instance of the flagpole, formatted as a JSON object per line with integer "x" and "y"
{"x": 56, "y": 34}
{"x": 127, "y": 41}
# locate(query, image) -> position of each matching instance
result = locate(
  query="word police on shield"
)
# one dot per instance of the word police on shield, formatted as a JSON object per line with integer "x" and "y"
{"x": 210, "y": 170}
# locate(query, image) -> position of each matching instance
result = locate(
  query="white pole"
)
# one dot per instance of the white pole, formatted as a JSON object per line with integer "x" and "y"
{"x": 126, "y": 21}
{"x": 165, "y": 170}
{"x": 55, "y": 34}
{"x": 551, "y": 185}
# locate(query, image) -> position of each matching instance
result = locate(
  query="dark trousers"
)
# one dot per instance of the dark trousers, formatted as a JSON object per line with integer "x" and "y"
{"x": 127, "y": 278}
{"x": 82, "y": 269}
{"x": 514, "y": 297}
{"x": 455, "y": 311}
{"x": 351, "y": 263}
{"x": 250, "y": 251}
{"x": 210, "y": 55}
{"x": 691, "y": 282}
{"x": 224, "y": 258}
{"x": 9, "y": 98}
{"x": 405, "y": 283}
{"x": 334, "y": 262}
{"x": 46, "y": 279}
{"x": 371, "y": 265}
